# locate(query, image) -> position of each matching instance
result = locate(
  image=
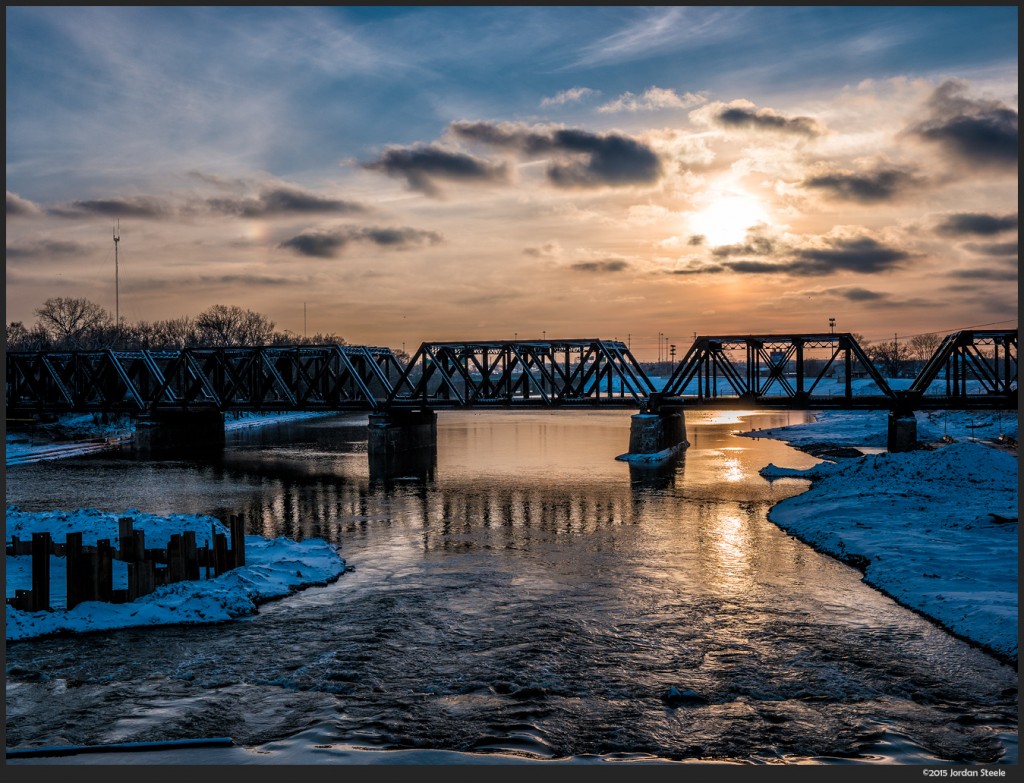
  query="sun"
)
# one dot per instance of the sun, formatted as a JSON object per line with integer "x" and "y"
{"x": 726, "y": 220}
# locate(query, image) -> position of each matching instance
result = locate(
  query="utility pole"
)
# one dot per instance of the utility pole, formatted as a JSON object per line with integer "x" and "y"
{"x": 117, "y": 285}
{"x": 832, "y": 325}
{"x": 673, "y": 351}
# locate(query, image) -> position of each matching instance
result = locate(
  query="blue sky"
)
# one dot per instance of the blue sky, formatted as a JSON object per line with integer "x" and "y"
{"x": 418, "y": 173}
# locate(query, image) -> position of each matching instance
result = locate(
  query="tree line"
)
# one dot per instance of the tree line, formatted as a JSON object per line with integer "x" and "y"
{"x": 78, "y": 324}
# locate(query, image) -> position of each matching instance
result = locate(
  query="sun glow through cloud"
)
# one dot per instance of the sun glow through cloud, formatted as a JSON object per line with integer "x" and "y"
{"x": 726, "y": 220}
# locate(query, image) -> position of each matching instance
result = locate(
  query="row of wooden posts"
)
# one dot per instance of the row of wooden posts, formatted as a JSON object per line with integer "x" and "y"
{"x": 90, "y": 568}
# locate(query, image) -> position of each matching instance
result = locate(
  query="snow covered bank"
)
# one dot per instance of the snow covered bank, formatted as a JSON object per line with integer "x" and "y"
{"x": 934, "y": 529}
{"x": 85, "y": 433}
{"x": 274, "y": 569}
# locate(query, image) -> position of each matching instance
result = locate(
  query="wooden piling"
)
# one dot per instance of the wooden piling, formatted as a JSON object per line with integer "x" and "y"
{"x": 189, "y": 555}
{"x": 73, "y": 571}
{"x": 220, "y": 554}
{"x": 126, "y": 539}
{"x": 237, "y": 528}
{"x": 41, "y": 548}
{"x": 175, "y": 572}
{"x": 104, "y": 570}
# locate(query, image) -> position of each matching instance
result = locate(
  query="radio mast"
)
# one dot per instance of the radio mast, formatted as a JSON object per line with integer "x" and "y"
{"x": 117, "y": 283}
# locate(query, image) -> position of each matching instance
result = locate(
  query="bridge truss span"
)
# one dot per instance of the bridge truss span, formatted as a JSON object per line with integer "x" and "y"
{"x": 522, "y": 373}
{"x": 250, "y": 378}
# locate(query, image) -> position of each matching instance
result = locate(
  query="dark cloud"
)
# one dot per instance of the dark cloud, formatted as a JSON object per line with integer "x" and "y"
{"x": 766, "y": 119}
{"x": 608, "y": 265}
{"x": 863, "y": 255}
{"x": 329, "y": 244}
{"x": 756, "y": 245}
{"x": 282, "y": 201}
{"x": 859, "y": 294}
{"x": 21, "y": 207}
{"x": 138, "y": 207}
{"x": 977, "y": 223}
{"x": 993, "y": 249}
{"x": 985, "y": 274}
{"x": 420, "y": 165}
{"x": 44, "y": 249}
{"x": 696, "y": 239}
{"x": 700, "y": 269}
{"x": 979, "y": 132}
{"x": 593, "y": 159}
{"x": 242, "y": 279}
{"x": 882, "y": 184}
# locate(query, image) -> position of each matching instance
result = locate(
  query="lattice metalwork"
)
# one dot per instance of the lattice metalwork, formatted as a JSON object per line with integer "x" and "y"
{"x": 522, "y": 374}
{"x": 976, "y": 367}
{"x": 320, "y": 377}
{"x": 810, "y": 370}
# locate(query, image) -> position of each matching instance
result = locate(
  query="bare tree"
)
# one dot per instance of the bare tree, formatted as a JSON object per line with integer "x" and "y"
{"x": 923, "y": 346}
{"x": 889, "y": 357}
{"x": 73, "y": 322}
{"x": 232, "y": 325}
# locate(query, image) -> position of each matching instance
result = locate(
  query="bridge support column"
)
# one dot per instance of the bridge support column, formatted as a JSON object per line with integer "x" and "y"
{"x": 656, "y": 436}
{"x": 173, "y": 430}
{"x": 902, "y": 432}
{"x": 402, "y": 442}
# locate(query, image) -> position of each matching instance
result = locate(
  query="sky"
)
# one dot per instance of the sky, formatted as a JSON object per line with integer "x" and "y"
{"x": 395, "y": 175}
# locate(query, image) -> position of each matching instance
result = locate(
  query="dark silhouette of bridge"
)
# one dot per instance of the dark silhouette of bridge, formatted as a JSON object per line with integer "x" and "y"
{"x": 969, "y": 370}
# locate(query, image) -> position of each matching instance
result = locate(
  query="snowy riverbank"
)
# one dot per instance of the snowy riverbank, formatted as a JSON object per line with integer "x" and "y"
{"x": 274, "y": 569}
{"x": 935, "y": 529}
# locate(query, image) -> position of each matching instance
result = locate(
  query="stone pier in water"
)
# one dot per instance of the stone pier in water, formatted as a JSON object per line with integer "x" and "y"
{"x": 656, "y": 435}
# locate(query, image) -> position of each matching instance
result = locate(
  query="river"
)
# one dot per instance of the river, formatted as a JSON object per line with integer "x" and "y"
{"x": 522, "y": 593}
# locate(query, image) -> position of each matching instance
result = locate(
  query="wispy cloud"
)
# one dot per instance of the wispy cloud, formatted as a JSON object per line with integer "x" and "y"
{"x": 657, "y": 30}
{"x": 21, "y": 207}
{"x": 573, "y": 95}
{"x": 652, "y": 99}
{"x": 282, "y": 201}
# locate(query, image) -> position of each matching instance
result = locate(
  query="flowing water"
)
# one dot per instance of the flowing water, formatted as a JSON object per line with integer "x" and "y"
{"x": 522, "y": 593}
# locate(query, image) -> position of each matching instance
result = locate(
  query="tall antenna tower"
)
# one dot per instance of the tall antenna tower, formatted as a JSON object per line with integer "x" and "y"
{"x": 117, "y": 282}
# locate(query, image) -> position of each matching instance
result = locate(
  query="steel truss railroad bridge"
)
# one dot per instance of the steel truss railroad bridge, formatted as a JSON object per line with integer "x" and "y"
{"x": 970, "y": 370}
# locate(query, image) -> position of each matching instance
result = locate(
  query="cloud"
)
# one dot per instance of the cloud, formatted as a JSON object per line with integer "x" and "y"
{"x": 282, "y": 201}
{"x": 607, "y": 265}
{"x": 869, "y": 187}
{"x": 745, "y": 115}
{"x": 21, "y": 207}
{"x": 985, "y": 273}
{"x": 993, "y": 249}
{"x": 843, "y": 253}
{"x": 977, "y": 223}
{"x": 980, "y": 132}
{"x": 755, "y": 245}
{"x": 586, "y": 159}
{"x": 420, "y": 165}
{"x": 44, "y": 249}
{"x": 572, "y": 95}
{"x": 860, "y": 254}
{"x": 652, "y": 99}
{"x": 330, "y": 243}
{"x": 137, "y": 207}
{"x": 547, "y": 250}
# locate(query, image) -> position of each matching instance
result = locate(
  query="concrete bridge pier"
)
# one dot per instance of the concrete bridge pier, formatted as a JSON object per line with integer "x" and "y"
{"x": 657, "y": 434}
{"x": 175, "y": 430}
{"x": 402, "y": 442}
{"x": 902, "y": 431}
